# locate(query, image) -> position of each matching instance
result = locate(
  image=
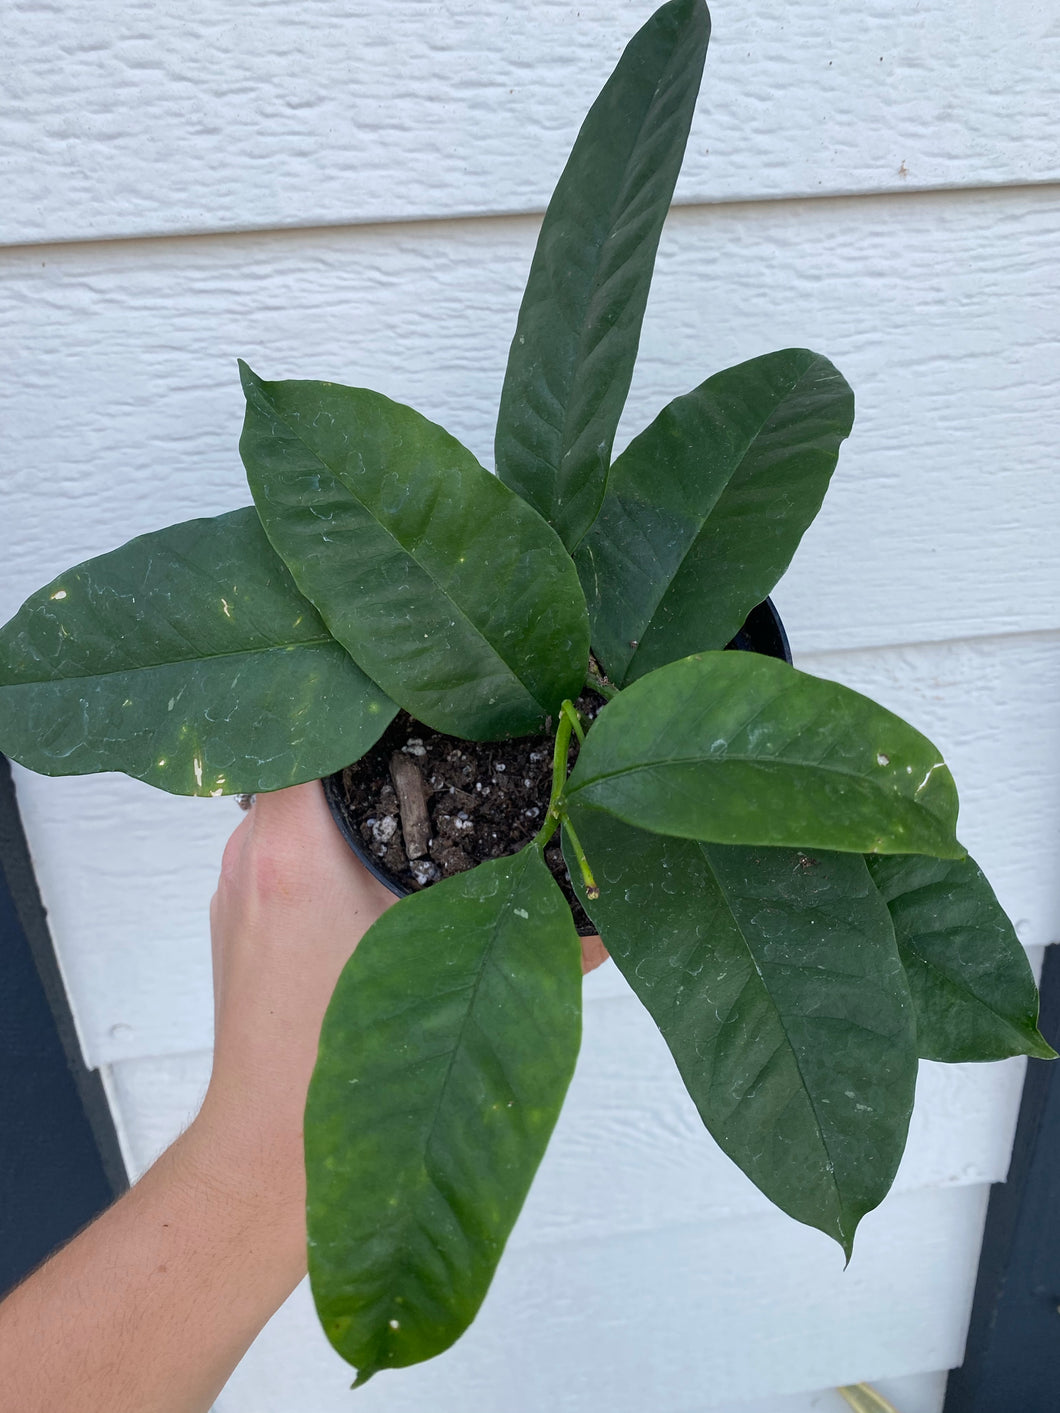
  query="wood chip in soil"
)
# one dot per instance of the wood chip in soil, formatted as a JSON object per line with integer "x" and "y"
{"x": 483, "y": 800}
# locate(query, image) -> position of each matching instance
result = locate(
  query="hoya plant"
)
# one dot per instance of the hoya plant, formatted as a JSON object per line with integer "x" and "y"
{"x": 770, "y": 858}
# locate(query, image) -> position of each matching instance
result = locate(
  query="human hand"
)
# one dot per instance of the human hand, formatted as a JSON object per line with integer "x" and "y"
{"x": 291, "y": 905}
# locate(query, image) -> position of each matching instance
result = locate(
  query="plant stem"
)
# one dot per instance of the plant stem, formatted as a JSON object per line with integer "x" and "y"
{"x": 571, "y": 711}
{"x": 555, "y": 814}
{"x": 592, "y": 890}
{"x": 559, "y": 775}
{"x": 596, "y": 683}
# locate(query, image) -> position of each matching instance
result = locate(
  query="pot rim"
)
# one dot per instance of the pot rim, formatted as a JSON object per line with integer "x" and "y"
{"x": 762, "y": 632}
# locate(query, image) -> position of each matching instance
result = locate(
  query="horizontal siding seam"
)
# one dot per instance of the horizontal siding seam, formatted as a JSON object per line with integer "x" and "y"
{"x": 462, "y": 217}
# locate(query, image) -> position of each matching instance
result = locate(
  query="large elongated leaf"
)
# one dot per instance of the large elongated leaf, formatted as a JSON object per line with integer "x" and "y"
{"x": 972, "y": 985}
{"x": 741, "y": 749}
{"x": 579, "y": 325}
{"x": 705, "y": 509}
{"x": 774, "y": 977}
{"x": 441, "y": 583}
{"x": 444, "y": 1058}
{"x": 186, "y": 658}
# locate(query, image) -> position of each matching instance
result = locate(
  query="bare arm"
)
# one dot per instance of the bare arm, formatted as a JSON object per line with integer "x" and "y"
{"x": 150, "y": 1309}
{"x": 152, "y": 1306}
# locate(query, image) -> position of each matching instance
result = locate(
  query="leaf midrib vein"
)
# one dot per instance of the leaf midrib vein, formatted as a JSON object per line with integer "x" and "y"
{"x": 954, "y": 984}
{"x": 177, "y": 662}
{"x": 818, "y": 1124}
{"x": 698, "y": 530}
{"x": 444, "y": 593}
{"x": 567, "y": 441}
{"x": 487, "y": 957}
{"x": 739, "y": 759}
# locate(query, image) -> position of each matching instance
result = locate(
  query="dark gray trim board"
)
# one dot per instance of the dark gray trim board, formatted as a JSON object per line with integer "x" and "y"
{"x": 1012, "y": 1360}
{"x": 59, "y": 1159}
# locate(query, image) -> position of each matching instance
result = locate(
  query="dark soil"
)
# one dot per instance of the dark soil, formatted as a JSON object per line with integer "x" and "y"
{"x": 481, "y": 800}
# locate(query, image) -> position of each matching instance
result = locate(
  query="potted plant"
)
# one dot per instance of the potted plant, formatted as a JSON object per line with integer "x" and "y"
{"x": 770, "y": 858}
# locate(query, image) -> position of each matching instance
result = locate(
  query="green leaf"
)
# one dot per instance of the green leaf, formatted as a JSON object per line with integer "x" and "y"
{"x": 579, "y": 325}
{"x": 186, "y": 658}
{"x": 972, "y": 985}
{"x": 774, "y": 978}
{"x": 444, "y": 586}
{"x": 705, "y": 509}
{"x": 444, "y": 1058}
{"x": 741, "y": 749}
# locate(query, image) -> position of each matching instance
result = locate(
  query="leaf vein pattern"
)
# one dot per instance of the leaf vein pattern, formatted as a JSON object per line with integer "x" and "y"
{"x": 734, "y": 758}
{"x": 475, "y": 629}
{"x": 622, "y": 200}
{"x": 468, "y": 1015}
{"x": 176, "y": 661}
{"x": 818, "y": 1122}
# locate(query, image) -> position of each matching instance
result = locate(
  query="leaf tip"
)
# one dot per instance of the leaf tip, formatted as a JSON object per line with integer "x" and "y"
{"x": 247, "y": 377}
{"x": 363, "y": 1375}
{"x": 686, "y": 11}
{"x": 1040, "y": 1049}
{"x": 844, "y": 1234}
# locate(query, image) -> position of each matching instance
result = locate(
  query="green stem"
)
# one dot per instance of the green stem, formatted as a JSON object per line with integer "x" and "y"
{"x": 555, "y": 814}
{"x": 592, "y": 890}
{"x": 597, "y": 684}
{"x": 570, "y": 711}
{"x": 559, "y": 776}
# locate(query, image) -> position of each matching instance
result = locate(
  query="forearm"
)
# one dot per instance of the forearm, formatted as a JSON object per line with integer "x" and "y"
{"x": 153, "y": 1305}
{"x": 150, "y": 1308}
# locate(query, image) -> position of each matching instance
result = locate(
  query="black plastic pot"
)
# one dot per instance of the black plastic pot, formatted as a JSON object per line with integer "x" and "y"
{"x": 762, "y": 633}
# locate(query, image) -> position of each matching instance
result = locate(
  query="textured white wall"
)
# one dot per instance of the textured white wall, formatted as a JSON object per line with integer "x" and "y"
{"x": 645, "y": 1271}
{"x": 144, "y": 118}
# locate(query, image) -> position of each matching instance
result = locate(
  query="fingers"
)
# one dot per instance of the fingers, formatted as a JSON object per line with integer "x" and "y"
{"x": 297, "y": 820}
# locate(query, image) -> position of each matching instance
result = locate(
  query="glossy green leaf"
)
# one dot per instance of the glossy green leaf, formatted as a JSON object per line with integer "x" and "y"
{"x": 579, "y": 324}
{"x": 972, "y": 985}
{"x": 741, "y": 749}
{"x": 705, "y": 509}
{"x": 444, "y": 1059}
{"x": 445, "y": 587}
{"x": 186, "y": 658}
{"x": 774, "y": 978}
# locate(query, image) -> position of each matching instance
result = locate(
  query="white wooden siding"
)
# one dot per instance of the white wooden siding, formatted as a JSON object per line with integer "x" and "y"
{"x": 590, "y": 1259}
{"x": 145, "y": 118}
{"x": 941, "y": 310}
{"x": 680, "y": 1318}
{"x": 645, "y": 1271}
